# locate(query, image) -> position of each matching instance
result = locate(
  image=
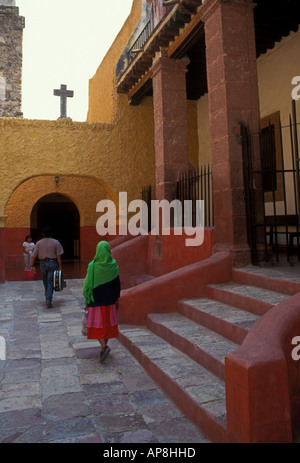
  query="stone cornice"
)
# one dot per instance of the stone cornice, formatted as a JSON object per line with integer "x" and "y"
{"x": 209, "y": 6}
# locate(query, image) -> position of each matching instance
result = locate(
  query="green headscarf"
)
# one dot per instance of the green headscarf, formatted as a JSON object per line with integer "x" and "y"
{"x": 100, "y": 271}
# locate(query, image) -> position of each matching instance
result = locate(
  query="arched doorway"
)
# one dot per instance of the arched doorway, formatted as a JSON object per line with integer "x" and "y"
{"x": 59, "y": 212}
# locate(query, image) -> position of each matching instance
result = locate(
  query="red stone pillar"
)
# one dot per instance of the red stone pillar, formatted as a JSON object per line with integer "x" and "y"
{"x": 170, "y": 124}
{"x": 2, "y": 253}
{"x": 233, "y": 98}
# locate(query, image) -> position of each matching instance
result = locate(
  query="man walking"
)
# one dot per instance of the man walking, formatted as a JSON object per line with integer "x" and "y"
{"x": 49, "y": 252}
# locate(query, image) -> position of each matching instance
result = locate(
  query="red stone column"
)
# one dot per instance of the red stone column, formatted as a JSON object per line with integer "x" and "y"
{"x": 233, "y": 98}
{"x": 2, "y": 253}
{"x": 170, "y": 124}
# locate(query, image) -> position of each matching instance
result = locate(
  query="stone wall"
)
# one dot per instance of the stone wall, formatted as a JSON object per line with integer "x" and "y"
{"x": 11, "y": 37}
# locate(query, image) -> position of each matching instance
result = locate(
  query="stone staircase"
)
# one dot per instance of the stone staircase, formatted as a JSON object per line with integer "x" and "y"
{"x": 185, "y": 351}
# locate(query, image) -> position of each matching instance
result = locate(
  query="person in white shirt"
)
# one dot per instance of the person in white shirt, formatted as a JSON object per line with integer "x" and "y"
{"x": 28, "y": 247}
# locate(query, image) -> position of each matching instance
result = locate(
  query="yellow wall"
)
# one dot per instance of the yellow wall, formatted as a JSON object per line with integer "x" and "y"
{"x": 75, "y": 188}
{"x": 119, "y": 157}
{"x": 103, "y": 159}
{"x": 102, "y": 87}
{"x": 276, "y": 68}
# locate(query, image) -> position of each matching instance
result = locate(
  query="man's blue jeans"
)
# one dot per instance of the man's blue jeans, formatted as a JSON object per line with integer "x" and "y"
{"x": 47, "y": 268}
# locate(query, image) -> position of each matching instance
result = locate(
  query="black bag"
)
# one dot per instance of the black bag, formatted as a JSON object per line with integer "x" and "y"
{"x": 58, "y": 281}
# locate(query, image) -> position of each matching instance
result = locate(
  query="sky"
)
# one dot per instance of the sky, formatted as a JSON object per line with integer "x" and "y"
{"x": 64, "y": 42}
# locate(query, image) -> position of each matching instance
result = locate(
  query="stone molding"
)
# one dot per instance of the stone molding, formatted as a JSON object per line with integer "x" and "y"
{"x": 209, "y": 6}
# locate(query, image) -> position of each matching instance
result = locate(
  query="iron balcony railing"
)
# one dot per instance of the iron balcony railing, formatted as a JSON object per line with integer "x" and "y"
{"x": 139, "y": 43}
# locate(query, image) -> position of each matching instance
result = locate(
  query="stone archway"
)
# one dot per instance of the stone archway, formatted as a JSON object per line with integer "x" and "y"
{"x": 83, "y": 192}
{"x": 59, "y": 212}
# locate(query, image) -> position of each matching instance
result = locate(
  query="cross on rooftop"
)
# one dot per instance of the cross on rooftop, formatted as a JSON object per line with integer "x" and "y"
{"x": 64, "y": 94}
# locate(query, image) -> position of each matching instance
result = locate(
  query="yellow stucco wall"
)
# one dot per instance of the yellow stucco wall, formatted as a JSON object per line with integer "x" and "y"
{"x": 114, "y": 150}
{"x": 102, "y": 87}
{"x": 111, "y": 153}
{"x": 74, "y": 187}
{"x": 118, "y": 156}
{"x": 275, "y": 69}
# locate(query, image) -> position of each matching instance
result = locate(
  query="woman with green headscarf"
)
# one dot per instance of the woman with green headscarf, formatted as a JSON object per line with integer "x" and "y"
{"x": 101, "y": 290}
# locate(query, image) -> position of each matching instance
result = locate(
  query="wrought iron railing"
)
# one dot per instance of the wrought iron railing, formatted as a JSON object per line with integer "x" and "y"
{"x": 196, "y": 185}
{"x": 147, "y": 197}
{"x": 193, "y": 185}
{"x": 139, "y": 43}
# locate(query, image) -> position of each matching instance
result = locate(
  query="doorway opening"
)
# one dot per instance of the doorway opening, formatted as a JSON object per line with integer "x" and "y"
{"x": 59, "y": 212}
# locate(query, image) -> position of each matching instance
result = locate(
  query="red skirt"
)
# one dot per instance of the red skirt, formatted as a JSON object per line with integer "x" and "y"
{"x": 102, "y": 322}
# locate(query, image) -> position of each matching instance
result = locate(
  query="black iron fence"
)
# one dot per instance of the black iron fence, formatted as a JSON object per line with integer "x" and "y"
{"x": 193, "y": 185}
{"x": 272, "y": 191}
{"x": 147, "y": 197}
{"x": 196, "y": 185}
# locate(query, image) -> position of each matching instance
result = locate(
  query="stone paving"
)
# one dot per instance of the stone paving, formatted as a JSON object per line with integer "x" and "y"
{"x": 206, "y": 389}
{"x": 53, "y": 388}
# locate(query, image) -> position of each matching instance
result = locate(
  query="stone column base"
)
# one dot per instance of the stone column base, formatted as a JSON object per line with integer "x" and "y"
{"x": 240, "y": 254}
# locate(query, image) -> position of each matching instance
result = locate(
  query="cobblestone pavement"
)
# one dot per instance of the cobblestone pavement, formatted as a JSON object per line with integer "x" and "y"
{"x": 53, "y": 388}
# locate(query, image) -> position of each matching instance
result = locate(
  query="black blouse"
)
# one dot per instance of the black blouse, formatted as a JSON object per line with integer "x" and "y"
{"x": 106, "y": 294}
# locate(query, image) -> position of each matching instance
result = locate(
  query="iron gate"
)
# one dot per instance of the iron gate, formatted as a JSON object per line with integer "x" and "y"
{"x": 272, "y": 191}
{"x": 147, "y": 197}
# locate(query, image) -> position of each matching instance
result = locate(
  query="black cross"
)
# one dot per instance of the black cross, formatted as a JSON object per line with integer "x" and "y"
{"x": 64, "y": 94}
